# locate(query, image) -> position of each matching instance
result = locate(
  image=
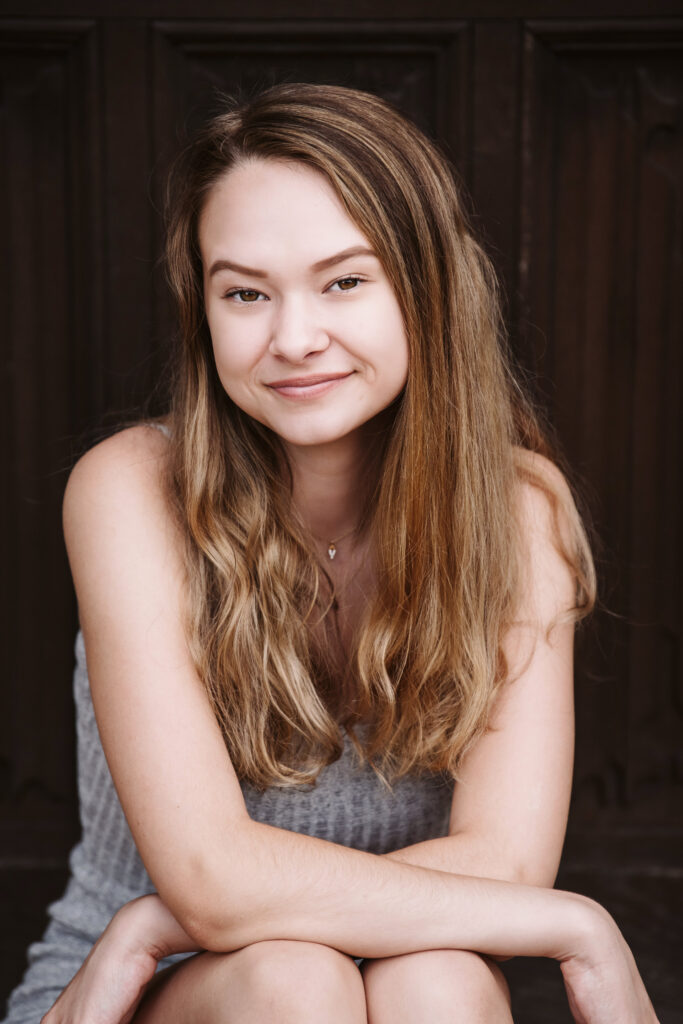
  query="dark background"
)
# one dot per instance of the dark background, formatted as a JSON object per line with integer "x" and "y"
{"x": 566, "y": 122}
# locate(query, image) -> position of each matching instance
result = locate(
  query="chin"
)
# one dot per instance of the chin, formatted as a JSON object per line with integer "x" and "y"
{"x": 311, "y": 440}
{"x": 313, "y": 436}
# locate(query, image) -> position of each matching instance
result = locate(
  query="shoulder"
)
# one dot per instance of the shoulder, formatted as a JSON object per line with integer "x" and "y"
{"x": 551, "y": 537}
{"x": 137, "y": 453}
{"x": 540, "y": 481}
{"x": 543, "y": 501}
{"x": 120, "y": 478}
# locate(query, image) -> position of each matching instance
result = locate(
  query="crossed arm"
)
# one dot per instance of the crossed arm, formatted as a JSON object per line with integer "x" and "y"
{"x": 225, "y": 881}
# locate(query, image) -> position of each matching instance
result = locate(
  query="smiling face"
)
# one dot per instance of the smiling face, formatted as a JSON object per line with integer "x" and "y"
{"x": 307, "y": 334}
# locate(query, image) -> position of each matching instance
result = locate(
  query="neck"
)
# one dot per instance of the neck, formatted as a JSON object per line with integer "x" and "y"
{"x": 331, "y": 485}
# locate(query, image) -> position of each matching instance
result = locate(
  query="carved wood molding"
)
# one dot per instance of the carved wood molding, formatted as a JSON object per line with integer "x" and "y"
{"x": 421, "y": 66}
{"x": 357, "y": 9}
{"x": 608, "y": 35}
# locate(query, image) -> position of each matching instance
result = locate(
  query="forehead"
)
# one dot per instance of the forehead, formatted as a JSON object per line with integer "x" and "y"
{"x": 267, "y": 207}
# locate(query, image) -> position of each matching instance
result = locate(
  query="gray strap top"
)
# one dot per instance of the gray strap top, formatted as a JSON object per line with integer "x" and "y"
{"x": 347, "y": 805}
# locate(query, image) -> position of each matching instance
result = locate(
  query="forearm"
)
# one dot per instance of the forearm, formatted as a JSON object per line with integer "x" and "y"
{"x": 467, "y": 854}
{"x": 289, "y": 886}
{"x": 146, "y": 924}
{"x": 458, "y": 854}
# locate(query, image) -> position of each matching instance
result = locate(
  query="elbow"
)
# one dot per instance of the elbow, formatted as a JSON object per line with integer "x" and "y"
{"x": 218, "y": 932}
{"x": 218, "y": 911}
{"x": 205, "y": 933}
{"x": 531, "y": 871}
{"x": 211, "y": 927}
{"x": 196, "y": 923}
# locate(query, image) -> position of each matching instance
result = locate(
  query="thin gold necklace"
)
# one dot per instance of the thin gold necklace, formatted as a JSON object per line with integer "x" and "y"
{"x": 332, "y": 545}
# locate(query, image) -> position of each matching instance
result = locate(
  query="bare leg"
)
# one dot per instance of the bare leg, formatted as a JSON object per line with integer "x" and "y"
{"x": 438, "y": 986}
{"x": 282, "y": 982}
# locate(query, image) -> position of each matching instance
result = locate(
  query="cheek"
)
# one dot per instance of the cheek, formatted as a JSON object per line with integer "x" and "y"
{"x": 234, "y": 349}
{"x": 400, "y": 374}
{"x": 381, "y": 331}
{"x": 396, "y": 347}
{"x": 235, "y": 376}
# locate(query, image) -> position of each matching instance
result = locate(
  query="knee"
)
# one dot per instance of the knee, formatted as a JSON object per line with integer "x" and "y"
{"x": 300, "y": 980}
{"x": 443, "y": 984}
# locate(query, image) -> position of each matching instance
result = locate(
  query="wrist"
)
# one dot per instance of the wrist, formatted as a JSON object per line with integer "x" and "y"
{"x": 134, "y": 928}
{"x": 589, "y": 930}
{"x": 145, "y": 926}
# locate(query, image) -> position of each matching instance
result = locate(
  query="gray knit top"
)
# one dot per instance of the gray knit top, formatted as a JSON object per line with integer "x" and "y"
{"x": 348, "y": 804}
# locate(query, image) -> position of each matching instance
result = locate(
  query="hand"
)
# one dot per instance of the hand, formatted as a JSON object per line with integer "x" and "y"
{"x": 112, "y": 980}
{"x": 602, "y": 981}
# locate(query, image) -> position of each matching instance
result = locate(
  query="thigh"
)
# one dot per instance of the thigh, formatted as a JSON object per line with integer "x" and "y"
{"x": 278, "y": 981}
{"x": 437, "y": 986}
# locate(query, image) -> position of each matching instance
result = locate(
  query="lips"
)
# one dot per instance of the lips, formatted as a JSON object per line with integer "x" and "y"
{"x": 307, "y": 382}
{"x": 303, "y": 389}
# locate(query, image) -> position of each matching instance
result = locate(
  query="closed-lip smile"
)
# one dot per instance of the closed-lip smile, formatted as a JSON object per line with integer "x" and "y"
{"x": 308, "y": 389}
{"x": 308, "y": 382}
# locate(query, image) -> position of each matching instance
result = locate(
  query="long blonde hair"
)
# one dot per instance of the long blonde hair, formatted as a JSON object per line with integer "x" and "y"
{"x": 427, "y": 661}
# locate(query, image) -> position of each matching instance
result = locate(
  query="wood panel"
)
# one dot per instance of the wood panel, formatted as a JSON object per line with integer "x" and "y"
{"x": 492, "y": 170}
{"x": 568, "y": 136}
{"x": 419, "y": 66}
{"x": 133, "y": 352}
{"x": 600, "y": 325}
{"x": 51, "y": 327}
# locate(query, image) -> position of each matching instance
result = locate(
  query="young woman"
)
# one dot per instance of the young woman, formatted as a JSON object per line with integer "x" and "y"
{"x": 328, "y": 607}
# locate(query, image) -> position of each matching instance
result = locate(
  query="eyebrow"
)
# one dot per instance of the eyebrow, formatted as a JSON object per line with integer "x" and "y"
{"x": 329, "y": 261}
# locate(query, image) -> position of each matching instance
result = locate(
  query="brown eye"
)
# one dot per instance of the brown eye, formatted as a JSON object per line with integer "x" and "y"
{"x": 346, "y": 284}
{"x": 244, "y": 296}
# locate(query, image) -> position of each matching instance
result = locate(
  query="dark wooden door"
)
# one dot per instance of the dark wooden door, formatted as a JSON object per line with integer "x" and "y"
{"x": 567, "y": 127}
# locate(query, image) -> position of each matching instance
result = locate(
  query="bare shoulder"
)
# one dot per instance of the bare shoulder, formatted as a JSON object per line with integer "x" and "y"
{"x": 124, "y": 545}
{"x": 140, "y": 450}
{"x": 544, "y": 503}
{"x": 117, "y": 494}
{"x": 127, "y": 466}
{"x": 550, "y": 532}
{"x": 539, "y": 477}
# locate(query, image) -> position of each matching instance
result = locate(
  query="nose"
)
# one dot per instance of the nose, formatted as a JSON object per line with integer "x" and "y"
{"x": 296, "y": 332}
